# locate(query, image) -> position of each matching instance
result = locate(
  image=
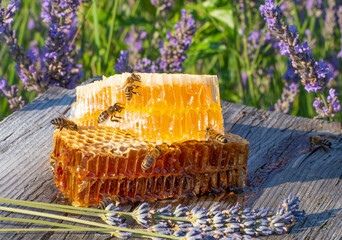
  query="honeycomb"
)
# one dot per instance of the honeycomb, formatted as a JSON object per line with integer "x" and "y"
{"x": 171, "y": 107}
{"x": 96, "y": 162}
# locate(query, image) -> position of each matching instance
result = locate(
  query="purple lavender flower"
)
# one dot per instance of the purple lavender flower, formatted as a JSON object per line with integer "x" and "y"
{"x": 173, "y": 53}
{"x": 6, "y": 15}
{"x": 11, "y": 93}
{"x": 144, "y": 65}
{"x": 56, "y": 66}
{"x": 290, "y": 90}
{"x": 164, "y": 6}
{"x": 253, "y": 41}
{"x": 244, "y": 77}
{"x": 315, "y": 76}
{"x": 28, "y": 67}
{"x": 314, "y": 8}
{"x": 31, "y": 24}
{"x": 330, "y": 20}
{"x": 58, "y": 55}
{"x": 122, "y": 65}
{"x": 62, "y": 13}
{"x": 272, "y": 14}
{"x": 334, "y": 105}
{"x": 134, "y": 39}
{"x": 339, "y": 14}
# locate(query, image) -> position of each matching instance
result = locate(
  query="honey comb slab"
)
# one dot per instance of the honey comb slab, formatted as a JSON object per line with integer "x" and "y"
{"x": 96, "y": 162}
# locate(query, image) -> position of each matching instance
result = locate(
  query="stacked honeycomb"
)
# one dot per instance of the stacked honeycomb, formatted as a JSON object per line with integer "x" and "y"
{"x": 171, "y": 107}
{"x": 96, "y": 162}
{"x": 172, "y": 112}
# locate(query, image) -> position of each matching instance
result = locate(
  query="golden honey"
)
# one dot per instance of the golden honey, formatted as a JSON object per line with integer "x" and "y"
{"x": 172, "y": 107}
{"x": 173, "y": 111}
{"x": 96, "y": 162}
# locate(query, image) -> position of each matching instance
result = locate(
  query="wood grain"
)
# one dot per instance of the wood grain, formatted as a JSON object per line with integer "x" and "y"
{"x": 280, "y": 162}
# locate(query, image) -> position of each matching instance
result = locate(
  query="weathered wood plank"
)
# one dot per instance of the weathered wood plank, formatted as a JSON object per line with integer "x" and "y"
{"x": 280, "y": 162}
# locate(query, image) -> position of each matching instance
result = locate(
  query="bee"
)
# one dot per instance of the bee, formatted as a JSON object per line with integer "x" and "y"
{"x": 63, "y": 122}
{"x": 111, "y": 111}
{"x": 150, "y": 158}
{"x": 108, "y": 200}
{"x": 129, "y": 92}
{"x": 130, "y": 86}
{"x": 213, "y": 135}
{"x": 319, "y": 141}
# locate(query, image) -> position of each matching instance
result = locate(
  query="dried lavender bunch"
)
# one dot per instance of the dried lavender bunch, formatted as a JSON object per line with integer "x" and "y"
{"x": 290, "y": 90}
{"x": 198, "y": 223}
{"x": 315, "y": 75}
{"x": 58, "y": 55}
{"x": 11, "y": 93}
{"x": 28, "y": 66}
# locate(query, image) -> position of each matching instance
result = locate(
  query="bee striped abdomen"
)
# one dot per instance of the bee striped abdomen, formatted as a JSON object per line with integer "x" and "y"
{"x": 104, "y": 203}
{"x": 128, "y": 93}
{"x": 63, "y": 122}
{"x": 103, "y": 117}
{"x": 58, "y": 121}
{"x": 220, "y": 138}
{"x": 215, "y": 136}
{"x": 326, "y": 142}
{"x": 150, "y": 158}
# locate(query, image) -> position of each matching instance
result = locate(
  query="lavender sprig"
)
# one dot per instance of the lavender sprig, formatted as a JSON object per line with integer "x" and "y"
{"x": 334, "y": 105}
{"x": 173, "y": 54}
{"x": 28, "y": 66}
{"x": 330, "y": 20}
{"x": 235, "y": 222}
{"x": 123, "y": 65}
{"x": 56, "y": 65}
{"x": 315, "y": 75}
{"x": 59, "y": 57}
{"x": 339, "y": 14}
{"x": 163, "y": 6}
{"x": 11, "y": 93}
{"x": 134, "y": 39}
{"x": 290, "y": 90}
{"x": 238, "y": 222}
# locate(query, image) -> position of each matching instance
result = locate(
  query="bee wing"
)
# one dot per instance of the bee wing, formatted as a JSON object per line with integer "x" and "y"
{"x": 123, "y": 86}
{"x": 64, "y": 117}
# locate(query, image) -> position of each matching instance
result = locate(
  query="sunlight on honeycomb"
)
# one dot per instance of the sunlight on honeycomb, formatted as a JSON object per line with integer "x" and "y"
{"x": 170, "y": 107}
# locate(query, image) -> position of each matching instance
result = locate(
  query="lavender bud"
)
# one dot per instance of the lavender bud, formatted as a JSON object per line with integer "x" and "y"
{"x": 121, "y": 234}
{"x": 180, "y": 211}
{"x": 122, "y": 65}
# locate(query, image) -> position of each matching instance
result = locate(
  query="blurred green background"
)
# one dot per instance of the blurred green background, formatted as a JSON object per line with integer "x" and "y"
{"x": 221, "y": 44}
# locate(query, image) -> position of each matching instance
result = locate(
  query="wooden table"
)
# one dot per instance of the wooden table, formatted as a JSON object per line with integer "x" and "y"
{"x": 280, "y": 162}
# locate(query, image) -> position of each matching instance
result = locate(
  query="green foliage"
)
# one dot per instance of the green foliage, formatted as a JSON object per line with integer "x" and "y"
{"x": 219, "y": 46}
